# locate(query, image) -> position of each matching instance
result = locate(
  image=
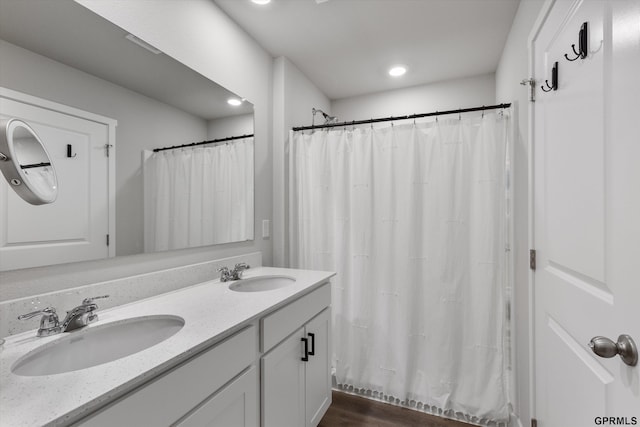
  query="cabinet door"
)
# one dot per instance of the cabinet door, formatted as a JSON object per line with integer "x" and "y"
{"x": 283, "y": 384}
{"x": 318, "y": 371}
{"x": 236, "y": 405}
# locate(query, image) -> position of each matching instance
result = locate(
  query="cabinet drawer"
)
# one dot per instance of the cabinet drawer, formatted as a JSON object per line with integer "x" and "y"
{"x": 279, "y": 325}
{"x": 167, "y": 398}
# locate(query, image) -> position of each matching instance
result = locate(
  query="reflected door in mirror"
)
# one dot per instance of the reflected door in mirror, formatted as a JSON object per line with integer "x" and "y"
{"x": 75, "y": 227}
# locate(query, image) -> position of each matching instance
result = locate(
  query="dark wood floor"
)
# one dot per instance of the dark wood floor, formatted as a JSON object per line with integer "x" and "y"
{"x": 353, "y": 411}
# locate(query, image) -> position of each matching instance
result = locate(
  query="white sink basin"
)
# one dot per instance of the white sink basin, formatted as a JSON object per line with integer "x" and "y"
{"x": 261, "y": 283}
{"x": 97, "y": 345}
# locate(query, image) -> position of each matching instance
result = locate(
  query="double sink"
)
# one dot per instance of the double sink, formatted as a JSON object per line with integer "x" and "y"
{"x": 112, "y": 341}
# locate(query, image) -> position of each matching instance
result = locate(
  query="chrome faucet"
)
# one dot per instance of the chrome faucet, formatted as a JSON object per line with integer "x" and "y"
{"x": 76, "y": 318}
{"x": 80, "y": 316}
{"x": 235, "y": 274}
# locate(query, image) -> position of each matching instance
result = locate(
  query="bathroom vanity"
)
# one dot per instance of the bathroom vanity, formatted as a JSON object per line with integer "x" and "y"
{"x": 240, "y": 353}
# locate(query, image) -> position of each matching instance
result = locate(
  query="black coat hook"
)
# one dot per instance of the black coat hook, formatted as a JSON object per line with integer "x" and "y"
{"x": 554, "y": 80}
{"x": 583, "y": 44}
{"x": 69, "y": 150}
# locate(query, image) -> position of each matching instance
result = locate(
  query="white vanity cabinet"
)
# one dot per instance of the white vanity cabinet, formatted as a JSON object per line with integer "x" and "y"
{"x": 200, "y": 392}
{"x": 257, "y": 373}
{"x": 296, "y": 382}
{"x": 236, "y": 361}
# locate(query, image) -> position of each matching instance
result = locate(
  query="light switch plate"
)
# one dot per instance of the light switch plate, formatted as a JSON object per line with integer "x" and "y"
{"x": 266, "y": 224}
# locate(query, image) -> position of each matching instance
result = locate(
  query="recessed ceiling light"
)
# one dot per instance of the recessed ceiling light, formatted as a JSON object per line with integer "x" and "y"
{"x": 397, "y": 71}
{"x": 261, "y": 2}
{"x": 234, "y": 101}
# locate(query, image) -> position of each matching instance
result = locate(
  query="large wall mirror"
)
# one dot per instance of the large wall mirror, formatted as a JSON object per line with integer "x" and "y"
{"x": 102, "y": 100}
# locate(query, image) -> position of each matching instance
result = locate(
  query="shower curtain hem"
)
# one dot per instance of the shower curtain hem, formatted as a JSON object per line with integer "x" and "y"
{"x": 417, "y": 406}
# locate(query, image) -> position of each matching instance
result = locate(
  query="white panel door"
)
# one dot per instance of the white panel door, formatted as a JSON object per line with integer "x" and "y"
{"x": 75, "y": 226}
{"x": 586, "y": 212}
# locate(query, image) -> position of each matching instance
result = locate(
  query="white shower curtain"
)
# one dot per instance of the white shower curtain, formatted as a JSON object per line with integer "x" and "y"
{"x": 198, "y": 196}
{"x": 412, "y": 218}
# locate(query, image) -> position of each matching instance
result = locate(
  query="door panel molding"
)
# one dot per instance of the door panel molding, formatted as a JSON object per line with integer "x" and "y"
{"x": 580, "y": 351}
{"x": 584, "y": 283}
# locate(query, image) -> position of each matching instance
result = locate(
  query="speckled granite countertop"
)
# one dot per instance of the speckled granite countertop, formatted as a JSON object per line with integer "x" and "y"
{"x": 211, "y": 312}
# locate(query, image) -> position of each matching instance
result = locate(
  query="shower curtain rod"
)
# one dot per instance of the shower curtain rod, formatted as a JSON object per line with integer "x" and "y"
{"x": 193, "y": 144}
{"x": 413, "y": 116}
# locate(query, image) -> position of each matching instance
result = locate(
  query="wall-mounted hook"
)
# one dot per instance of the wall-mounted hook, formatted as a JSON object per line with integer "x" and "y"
{"x": 554, "y": 79}
{"x": 583, "y": 44}
{"x": 70, "y": 150}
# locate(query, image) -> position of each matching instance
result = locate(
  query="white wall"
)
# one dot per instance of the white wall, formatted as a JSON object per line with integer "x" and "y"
{"x": 230, "y": 126}
{"x": 294, "y": 95}
{"x": 143, "y": 123}
{"x": 198, "y": 34}
{"x": 513, "y": 68}
{"x": 446, "y": 95}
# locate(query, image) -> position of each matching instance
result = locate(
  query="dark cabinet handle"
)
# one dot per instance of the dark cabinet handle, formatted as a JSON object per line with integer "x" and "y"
{"x": 313, "y": 344}
{"x": 305, "y": 358}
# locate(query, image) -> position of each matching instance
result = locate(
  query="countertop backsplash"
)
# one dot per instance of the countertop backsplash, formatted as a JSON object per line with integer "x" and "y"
{"x": 120, "y": 291}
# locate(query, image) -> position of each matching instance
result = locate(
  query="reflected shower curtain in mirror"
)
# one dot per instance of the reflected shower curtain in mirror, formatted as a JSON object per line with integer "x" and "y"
{"x": 413, "y": 220}
{"x": 198, "y": 196}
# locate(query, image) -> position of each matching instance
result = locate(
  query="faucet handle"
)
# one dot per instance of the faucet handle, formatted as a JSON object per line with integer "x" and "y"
{"x": 90, "y": 300}
{"x": 49, "y": 323}
{"x": 225, "y": 274}
{"x": 48, "y": 311}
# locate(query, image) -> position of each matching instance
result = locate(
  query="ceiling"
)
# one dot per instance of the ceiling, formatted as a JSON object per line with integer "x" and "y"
{"x": 347, "y": 46}
{"x": 69, "y": 33}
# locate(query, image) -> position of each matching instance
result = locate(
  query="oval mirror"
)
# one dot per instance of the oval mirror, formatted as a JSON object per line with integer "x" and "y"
{"x": 25, "y": 163}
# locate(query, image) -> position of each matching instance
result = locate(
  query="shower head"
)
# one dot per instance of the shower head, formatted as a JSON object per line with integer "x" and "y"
{"x": 327, "y": 118}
